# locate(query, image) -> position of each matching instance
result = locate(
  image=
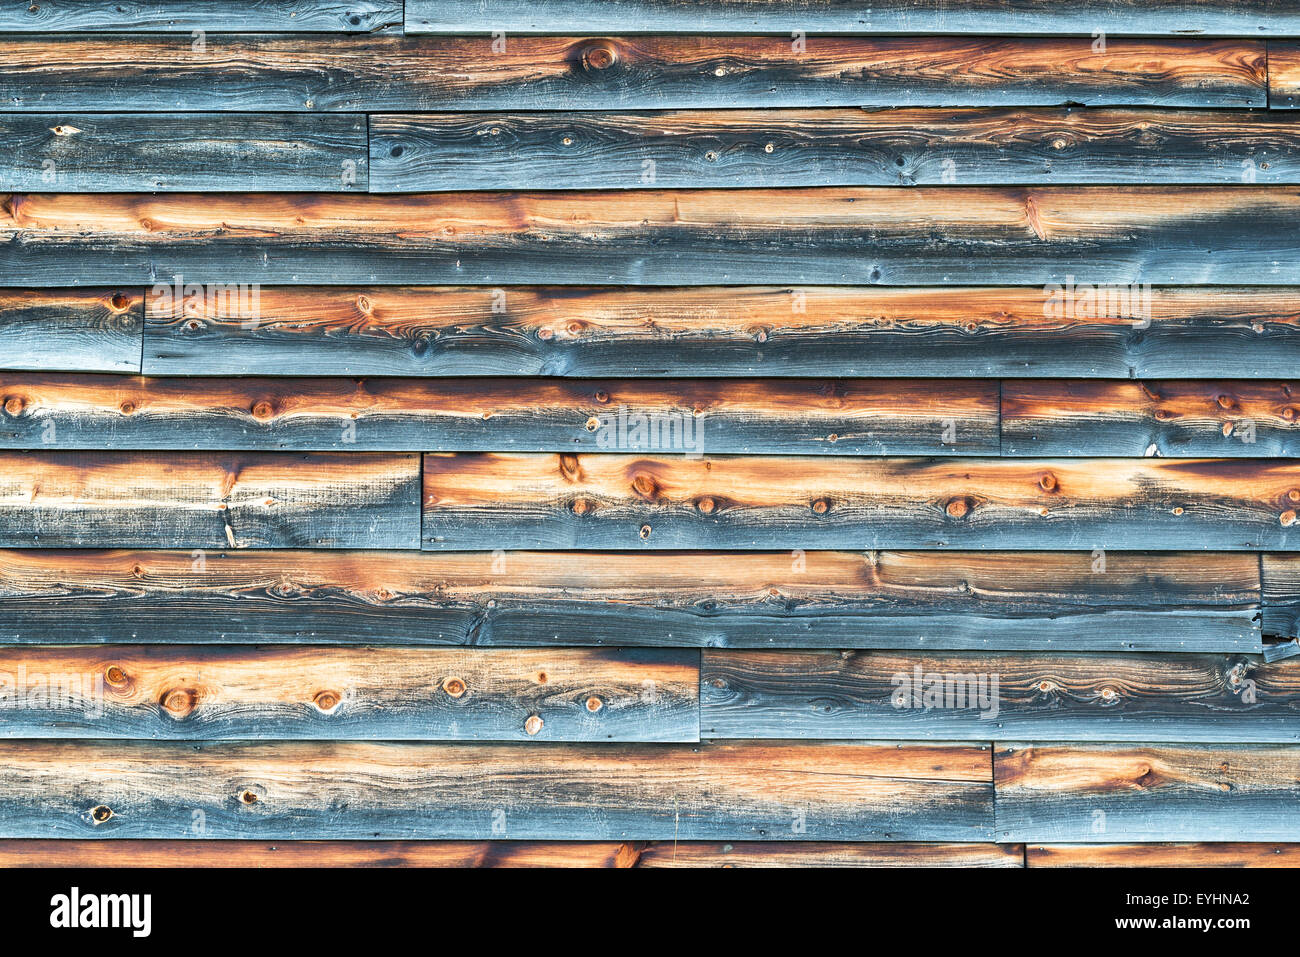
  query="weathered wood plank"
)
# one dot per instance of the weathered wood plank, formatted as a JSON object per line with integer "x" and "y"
{"x": 845, "y": 147}
{"x": 219, "y": 152}
{"x": 927, "y": 235}
{"x": 306, "y": 692}
{"x": 1107, "y": 794}
{"x": 1283, "y": 75}
{"x": 1166, "y": 418}
{"x": 793, "y": 791}
{"x": 1281, "y": 595}
{"x": 827, "y": 695}
{"x": 155, "y": 16}
{"x": 1228, "y": 17}
{"x": 39, "y": 852}
{"x": 1163, "y": 855}
{"x": 245, "y": 73}
{"x": 613, "y": 501}
{"x": 90, "y": 330}
{"x": 730, "y": 331}
{"x": 208, "y": 500}
{"x": 992, "y": 601}
{"x": 866, "y": 417}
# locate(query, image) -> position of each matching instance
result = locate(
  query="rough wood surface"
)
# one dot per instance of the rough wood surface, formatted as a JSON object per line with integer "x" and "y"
{"x": 350, "y": 791}
{"x": 1283, "y": 75}
{"x": 1150, "y": 418}
{"x": 851, "y": 235}
{"x": 82, "y": 330}
{"x": 367, "y": 693}
{"x": 245, "y": 73}
{"x": 828, "y": 416}
{"x": 1106, "y": 794}
{"x": 616, "y": 501}
{"x": 139, "y": 153}
{"x": 349, "y": 16}
{"x": 815, "y": 147}
{"x": 728, "y": 331}
{"x": 828, "y": 695}
{"x": 1162, "y": 855}
{"x": 208, "y": 500}
{"x": 1281, "y": 595}
{"x": 1070, "y": 602}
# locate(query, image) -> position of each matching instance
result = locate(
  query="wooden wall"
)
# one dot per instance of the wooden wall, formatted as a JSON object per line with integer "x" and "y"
{"x": 650, "y": 433}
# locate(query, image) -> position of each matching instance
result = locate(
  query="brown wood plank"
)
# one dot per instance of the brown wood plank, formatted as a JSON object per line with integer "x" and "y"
{"x": 208, "y": 500}
{"x": 827, "y": 416}
{"x": 1281, "y": 595}
{"x": 985, "y": 601}
{"x": 1163, "y": 855}
{"x": 608, "y": 501}
{"x": 356, "y": 694}
{"x": 350, "y": 791}
{"x": 80, "y": 330}
{"x": 1283, "y": 74}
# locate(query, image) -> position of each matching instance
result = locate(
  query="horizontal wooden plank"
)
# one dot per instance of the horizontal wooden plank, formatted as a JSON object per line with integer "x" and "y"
{"x": 91, "y": 330}
{"x": 844, "y": 147}
{"x": 354, "y": 694}
{"x": 208, "y": 500}
{"x": 350, "y": 16}
{"x": 1229, "y": 17}
{"x": 1114, "y": 602}
{"x": 140, "y": 153}
{"x": 612, "y": 501}
{"x": 866, "y": 417}
{"x": 1113, "y": 697}
{"x": 860, "y": 235}
{"x": 1162, "y": 855}
{"x": 1104, "y": 794}
{"x": 349, "y": 791}
{"x": 728, "y": 331}
{"x": 1167, "y": 418}
{"x": 39, "y": 852}
{"x": 1283, "y": 75}
{"x": 1281, "y": 595}
{"x": 244, "y": 73}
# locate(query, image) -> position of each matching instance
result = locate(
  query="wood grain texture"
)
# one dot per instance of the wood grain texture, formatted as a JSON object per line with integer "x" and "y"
{"x": 208, "y": 500}
{"x": 727, "y": 331}
{"x": 218, "y": 152}
{"x": 615, "y": 501}
{"x": 860, "y": 235}
{"x": 830, "y": 416}
{"x": 90, "y": 330}
{"x": 350, "y": 791}
{"x": 1106, "y": 794}
{"x": 1162, "y": 855}
{"x": 816, "y": 147}
{"x": 1113, "y": 697}
{"x": 1151, "y": 418}
{"x": 325, "y": 16}
{"x": 38, "y": 852}
{"x": 1281, "y": 595}
{"x": 243, "y": 73}
{"x": 368, "y": 693}
{"x": 1131, "y": 601}
{"x": 1229, "y": 17}
{"x": 1283, "y": 75}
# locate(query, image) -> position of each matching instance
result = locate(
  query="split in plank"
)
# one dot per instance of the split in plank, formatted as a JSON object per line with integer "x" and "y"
{"x": 907, "y": 600}
{"x": 243, "y": 73}
{"x": 1151, "y": 418}
{"x": 1107, "y": 794}
{"x": 1162, "y": 855}
{"x": 615, "y": 501}
{"x": 728, "y": 331}
{"x": 184, "y": 16}
{"x": 412, "y": 153}
{"x": 90, "y": 330}
{"x": 828, "y": 695}
{"x": 209, "y": 500}
{"x": 311, "y": 692}
{"x": 349, "y": 791}
{"x": 775, "y": 416}
{"x": 842, "y": 235}
{"x": 218, "y": 152}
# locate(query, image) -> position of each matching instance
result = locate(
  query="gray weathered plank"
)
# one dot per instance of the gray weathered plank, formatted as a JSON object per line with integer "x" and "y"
{"x": 1112, "y": 697}
{"x": 334, "y": 693}
{"x": 348, "y": 791}
{"x": 1102, "y": 794}
{"x": 216, "y": 152}
{"x": 909, "y": 600}
{"x": 1281, "y": 595}
{"x": 324, "y": 16}
{"x": 209, "y": 500}
{"x": 82, "y": 330}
